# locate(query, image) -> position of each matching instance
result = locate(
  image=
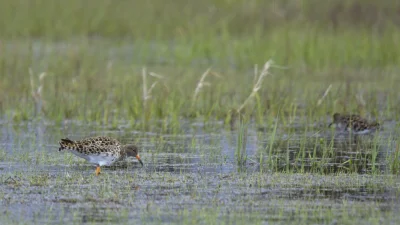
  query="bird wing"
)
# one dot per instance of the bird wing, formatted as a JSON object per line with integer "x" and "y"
{"x": 357, "y": 122}
{"x": 100, "y": 144}
{"x": 353, "y": 118}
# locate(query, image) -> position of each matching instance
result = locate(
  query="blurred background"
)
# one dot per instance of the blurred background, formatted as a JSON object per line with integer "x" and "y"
{"x": 94, "y": 54}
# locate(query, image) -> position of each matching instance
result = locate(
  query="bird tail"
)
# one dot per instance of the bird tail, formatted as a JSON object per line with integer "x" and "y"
{"x": 66, "y": 144}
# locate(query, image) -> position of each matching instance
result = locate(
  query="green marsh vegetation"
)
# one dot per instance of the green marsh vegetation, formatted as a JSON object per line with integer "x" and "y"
{"x": 229, "y": 100}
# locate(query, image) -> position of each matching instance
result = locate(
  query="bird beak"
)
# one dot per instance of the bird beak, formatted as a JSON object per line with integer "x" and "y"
{"x": 138, "y": 157}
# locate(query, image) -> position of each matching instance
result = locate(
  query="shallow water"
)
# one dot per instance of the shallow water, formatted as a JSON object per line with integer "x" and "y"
{"x": 194, "y": 177}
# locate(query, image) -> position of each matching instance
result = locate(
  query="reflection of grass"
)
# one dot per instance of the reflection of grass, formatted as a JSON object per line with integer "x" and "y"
{"x": 39, "y": 180}
{"x": 321, "y": 155}
{"x": 3, "y": 155}
{"x": 241, "y": 153}
{"x": 395, "y": 161}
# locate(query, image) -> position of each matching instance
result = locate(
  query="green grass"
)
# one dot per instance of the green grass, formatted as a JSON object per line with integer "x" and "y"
{"x": 100, "y": 79}
{"x": 82, "y": 85}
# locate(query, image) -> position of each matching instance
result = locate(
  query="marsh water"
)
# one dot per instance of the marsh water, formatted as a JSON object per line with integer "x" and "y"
{"x": 193, "y": 176}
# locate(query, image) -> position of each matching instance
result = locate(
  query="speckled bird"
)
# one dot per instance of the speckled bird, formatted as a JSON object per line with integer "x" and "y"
{"x": 101, "y": 151}
{"x": 355, "y": 123}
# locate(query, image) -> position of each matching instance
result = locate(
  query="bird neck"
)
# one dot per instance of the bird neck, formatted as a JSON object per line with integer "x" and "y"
{"x": 124, "y": 152}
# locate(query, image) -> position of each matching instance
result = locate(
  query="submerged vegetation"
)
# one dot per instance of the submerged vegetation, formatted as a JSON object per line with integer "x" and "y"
{"x": 229, "y": 102}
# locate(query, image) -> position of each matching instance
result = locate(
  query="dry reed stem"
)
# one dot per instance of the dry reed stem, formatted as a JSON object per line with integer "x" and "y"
{"x": 36, "y": 92}
{"x": 257, "y": 83}
{"x": 201, "y": 84}
{"x": 325, "y": 94}
{"x": 360, "y": 99}
{"x": 147, "y": 91}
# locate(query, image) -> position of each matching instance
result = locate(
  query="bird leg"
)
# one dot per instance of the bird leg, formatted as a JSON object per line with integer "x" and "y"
{"x": 98, "y": 170}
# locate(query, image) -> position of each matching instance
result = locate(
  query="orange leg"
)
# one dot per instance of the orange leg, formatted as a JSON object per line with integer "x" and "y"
{"x": 98, "y": 170}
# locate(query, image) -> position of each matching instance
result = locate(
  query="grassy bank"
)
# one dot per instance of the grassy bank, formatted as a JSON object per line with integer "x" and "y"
{"x": 94, "y": 54}
{"x": 95, "y": 81}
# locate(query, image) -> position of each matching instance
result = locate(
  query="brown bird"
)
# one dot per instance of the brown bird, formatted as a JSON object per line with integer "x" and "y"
{"x": 101, "y": 151}
{"x": 355, "y": 123}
